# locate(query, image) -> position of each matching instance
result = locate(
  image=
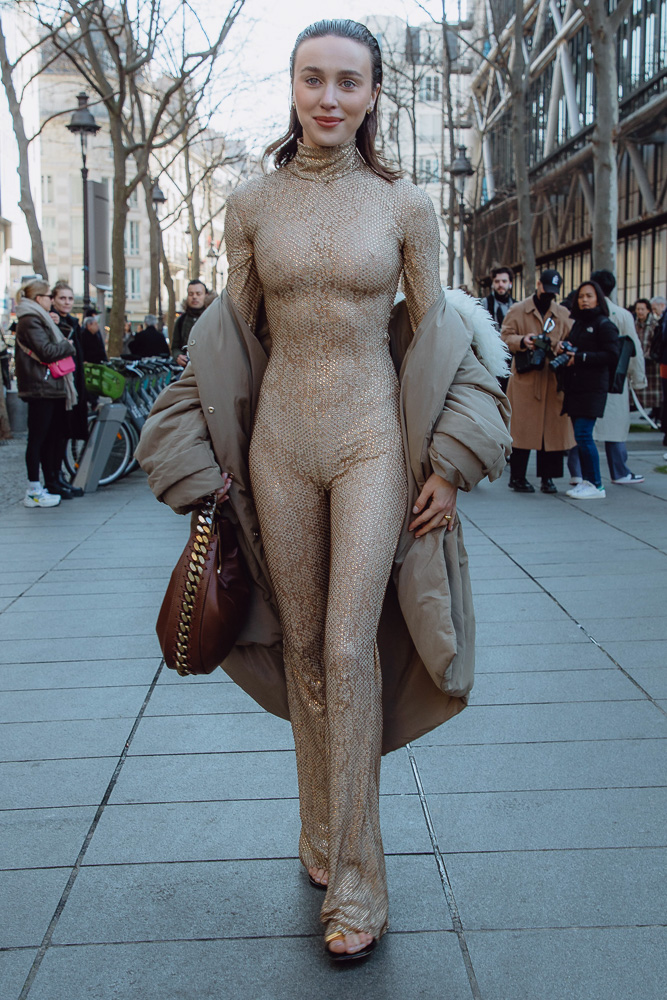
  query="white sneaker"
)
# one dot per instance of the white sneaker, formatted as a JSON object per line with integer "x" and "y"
{"x": 630, "y": 478}
{"x": 40, "y": 498}
{"x": 575, "y": 480}
{"x": 586, "y": 491}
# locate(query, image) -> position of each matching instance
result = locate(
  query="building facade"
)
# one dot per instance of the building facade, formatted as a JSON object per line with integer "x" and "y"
{"x": 561, "y": 107}
{"x": 415, "y": 112}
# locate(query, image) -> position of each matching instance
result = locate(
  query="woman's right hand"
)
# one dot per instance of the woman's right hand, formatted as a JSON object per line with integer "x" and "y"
{"x": 221, "y": 494}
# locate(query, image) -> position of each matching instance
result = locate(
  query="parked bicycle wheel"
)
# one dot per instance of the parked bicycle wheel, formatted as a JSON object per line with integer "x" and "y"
{"x": 120, "y": 456}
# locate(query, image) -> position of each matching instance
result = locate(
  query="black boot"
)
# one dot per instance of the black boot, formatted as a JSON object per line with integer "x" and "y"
{"x": 548, "y": 486}
{"x": 521, "y": 486}
{"x": 55, "y": 486}
{"x": 74, "y": 491}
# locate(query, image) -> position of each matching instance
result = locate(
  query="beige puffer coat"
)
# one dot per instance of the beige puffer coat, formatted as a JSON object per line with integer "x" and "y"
{"x": 455, "y": 422}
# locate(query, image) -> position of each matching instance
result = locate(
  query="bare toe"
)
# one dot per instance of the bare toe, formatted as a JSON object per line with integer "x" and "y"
{"x": 319, "y": 875}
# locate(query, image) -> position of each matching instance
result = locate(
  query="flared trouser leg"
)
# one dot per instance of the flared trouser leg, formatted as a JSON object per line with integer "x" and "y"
{"x": 329, "y": 553}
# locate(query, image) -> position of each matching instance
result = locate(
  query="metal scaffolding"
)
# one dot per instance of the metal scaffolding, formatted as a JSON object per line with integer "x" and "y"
{"x": 561, "y": 113}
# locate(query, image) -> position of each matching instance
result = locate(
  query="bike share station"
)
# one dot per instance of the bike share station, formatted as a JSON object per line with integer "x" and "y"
{"x": 104, "y": 431}
{"x": 98, "y": 448}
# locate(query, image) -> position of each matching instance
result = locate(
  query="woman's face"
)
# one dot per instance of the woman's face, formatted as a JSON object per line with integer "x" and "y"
{"x": 641, "y": 312}
{"x": 333, "y": 89}
{"x": 44, "y": 301}
{"x": 63, "y": 300}
{"x": 587, "y": 298}
{"x": 93, "y": 326}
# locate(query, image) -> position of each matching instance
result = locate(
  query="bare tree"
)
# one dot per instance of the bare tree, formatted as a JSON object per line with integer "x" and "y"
{"x": 519, "y": 78}
{"x": 604, "y": 26}
{"x": 119, "y": 49}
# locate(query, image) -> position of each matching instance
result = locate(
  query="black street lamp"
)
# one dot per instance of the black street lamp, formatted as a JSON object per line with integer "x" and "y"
{"x": 83, "y": 124}
{"x": 213, "y": 255}
{"x": 460, "y": 169}
{"x": 158, "y": 198}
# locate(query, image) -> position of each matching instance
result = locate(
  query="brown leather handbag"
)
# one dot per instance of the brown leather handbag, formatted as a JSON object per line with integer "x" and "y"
{"x": 207, "y": 598}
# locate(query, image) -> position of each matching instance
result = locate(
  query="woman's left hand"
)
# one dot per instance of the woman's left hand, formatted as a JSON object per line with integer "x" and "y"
{"x": 435, "y": 506}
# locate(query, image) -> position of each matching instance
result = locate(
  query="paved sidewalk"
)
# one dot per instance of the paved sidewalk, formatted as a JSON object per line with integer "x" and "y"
{"x": 149, "y": 823}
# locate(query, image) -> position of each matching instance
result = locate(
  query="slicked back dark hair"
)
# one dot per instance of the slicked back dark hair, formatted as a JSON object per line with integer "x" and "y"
{"x": 284, "y": 149}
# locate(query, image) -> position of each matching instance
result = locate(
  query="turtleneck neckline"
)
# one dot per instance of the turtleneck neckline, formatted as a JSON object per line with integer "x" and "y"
{"x": 324, "y": 163}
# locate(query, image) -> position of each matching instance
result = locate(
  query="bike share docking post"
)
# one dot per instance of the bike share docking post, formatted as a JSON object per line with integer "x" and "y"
{"x": 98, "y": 448}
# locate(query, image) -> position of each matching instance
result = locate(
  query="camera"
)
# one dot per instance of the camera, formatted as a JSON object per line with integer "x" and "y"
{"x": 562, "y": 360}
{"x": 541, "y": 348}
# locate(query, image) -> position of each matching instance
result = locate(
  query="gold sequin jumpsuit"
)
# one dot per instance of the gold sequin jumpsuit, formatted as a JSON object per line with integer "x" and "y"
{"x": 324, "y": 240}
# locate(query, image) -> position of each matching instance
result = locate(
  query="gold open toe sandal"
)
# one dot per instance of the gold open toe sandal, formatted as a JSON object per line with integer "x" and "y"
{"x": 346, "y": 956}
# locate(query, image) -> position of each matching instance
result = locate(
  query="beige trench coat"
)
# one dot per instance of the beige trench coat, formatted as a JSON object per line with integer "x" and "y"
{"x": 534, "y": 397}
{"x": 614, "y": 424}
{"x": 455, "y": 424}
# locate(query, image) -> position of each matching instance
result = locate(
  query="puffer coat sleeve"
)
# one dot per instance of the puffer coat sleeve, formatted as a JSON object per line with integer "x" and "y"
{"x": 175, "y": 447}
{"x": 471, "y": 439}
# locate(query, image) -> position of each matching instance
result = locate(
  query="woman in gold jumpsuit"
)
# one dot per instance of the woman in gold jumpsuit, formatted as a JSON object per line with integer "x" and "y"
{"x": 323, "y": 241}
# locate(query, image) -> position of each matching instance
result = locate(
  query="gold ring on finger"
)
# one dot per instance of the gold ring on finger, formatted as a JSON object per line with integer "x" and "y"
{"x": 448, "y": 517}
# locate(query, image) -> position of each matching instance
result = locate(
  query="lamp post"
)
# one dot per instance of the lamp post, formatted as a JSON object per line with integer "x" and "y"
{"x": 158, "y": 199}
{"x": 213, "y": 254}
{"x": 83, "y": 124}
{"x": 460, "y": 169}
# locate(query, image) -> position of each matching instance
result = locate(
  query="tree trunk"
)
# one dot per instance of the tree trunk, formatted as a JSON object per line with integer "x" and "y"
{"x": 118, "y": 288}
{"x": 448, "y": 117}
{"x": 169, "y": 285}
{"x": 605, "y": 164}
{"x": 154, "y": 250}
{"x": 518, "y": 82}
{"x": 26, "y": 203}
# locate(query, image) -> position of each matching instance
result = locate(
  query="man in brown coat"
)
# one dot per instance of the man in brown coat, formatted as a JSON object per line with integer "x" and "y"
{"x": 536, "y": 403}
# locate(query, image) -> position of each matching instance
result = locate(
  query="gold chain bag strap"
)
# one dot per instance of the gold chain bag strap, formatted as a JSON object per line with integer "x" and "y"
{"x": 207, "y": 598}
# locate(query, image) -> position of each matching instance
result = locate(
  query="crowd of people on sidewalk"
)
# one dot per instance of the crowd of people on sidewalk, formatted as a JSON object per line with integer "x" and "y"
{"x": 51, "y": 347}
{"x": 573, "y": 366}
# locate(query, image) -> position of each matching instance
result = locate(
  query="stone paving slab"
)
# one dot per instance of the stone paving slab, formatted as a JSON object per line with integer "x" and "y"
{"x": 52, "y": 740}
{"x": 77, "y": 675}
{"x": 36, "y": 784}
{"x": 571, "y": 964}
{"x": 232, "y": 830}
{"x": 550, "y": 820}
{"x": 29, "y": 899}
{"x": 211, "y": 900}
{"x": 43, "y": 838}
{"x": 535, "y": 766}
{"x": 409, "y": 966}
{"x": 14, "y": 967}
{"x": 212, "y": 733}
{"x": 516, "y": 890}
{"x": 72, "y": 703}
{"x": 535, "y": 723}
{"x": 522, "y": 688}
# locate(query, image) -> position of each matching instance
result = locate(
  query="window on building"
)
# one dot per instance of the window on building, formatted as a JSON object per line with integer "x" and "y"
{"x": 133, "y": 282}
{"x": 428, "y": 128}
{"x": 429, "y": 88}
{"x": 133, "y": 200}
{"x": 47, "y": 189}
{"x": 50, "y": 234}
{"x": 412, "y": 45}
{"x": 428, "y": 171}
{"x": 132, "y": 238}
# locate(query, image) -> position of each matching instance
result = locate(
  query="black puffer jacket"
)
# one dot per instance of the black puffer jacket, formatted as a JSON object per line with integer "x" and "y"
{"x": 587, "y": 382}
{"x": 38, "y": 337}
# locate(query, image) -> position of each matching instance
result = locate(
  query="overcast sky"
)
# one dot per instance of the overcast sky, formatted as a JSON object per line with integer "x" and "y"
{"x": 261, "y": 44}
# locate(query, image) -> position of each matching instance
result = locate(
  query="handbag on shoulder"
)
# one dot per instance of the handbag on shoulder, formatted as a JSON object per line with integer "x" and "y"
{"x": 207, "y": 599}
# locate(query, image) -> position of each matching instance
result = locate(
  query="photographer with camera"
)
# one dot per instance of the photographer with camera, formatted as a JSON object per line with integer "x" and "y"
{"x": 586, "y": 364}
{"x": 532, "y": 330}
